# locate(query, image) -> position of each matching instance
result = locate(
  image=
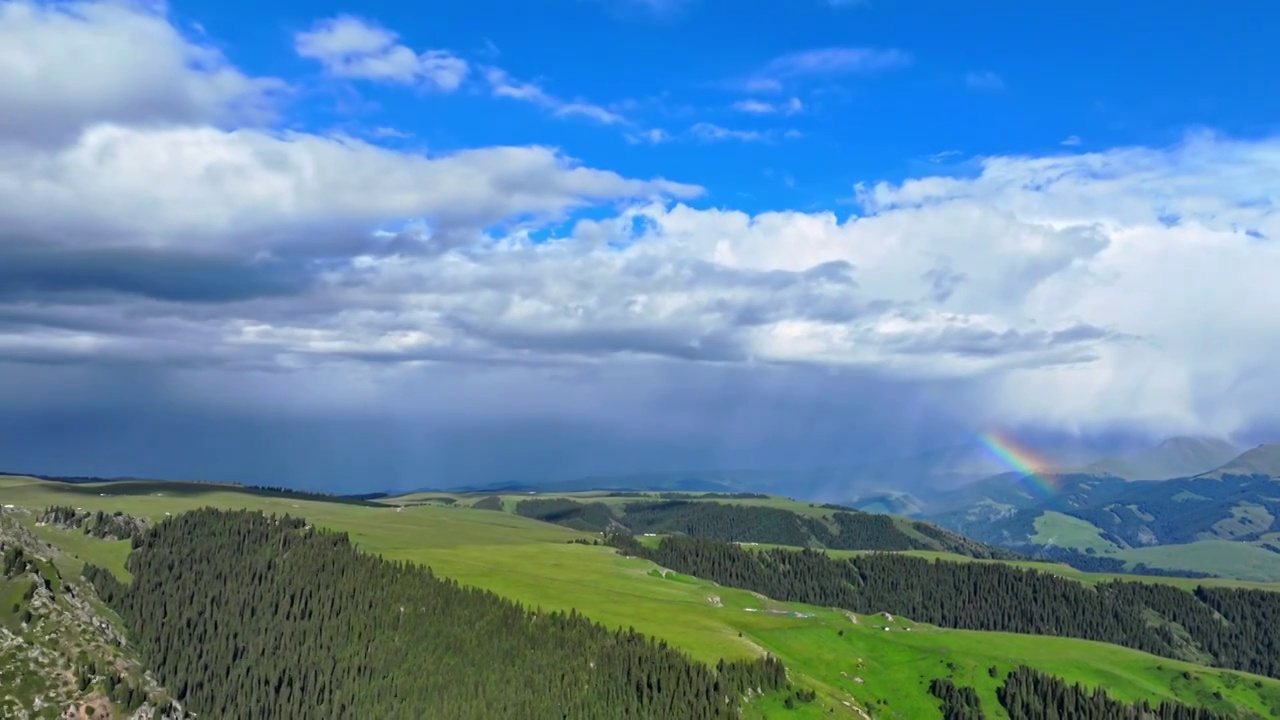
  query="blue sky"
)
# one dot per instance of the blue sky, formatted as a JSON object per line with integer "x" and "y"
{"x": 975, "y": 79}
{"x": 466, "y": 240}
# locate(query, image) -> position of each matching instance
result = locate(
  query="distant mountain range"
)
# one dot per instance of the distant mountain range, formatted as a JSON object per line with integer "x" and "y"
{"x": 1227, "y": 516}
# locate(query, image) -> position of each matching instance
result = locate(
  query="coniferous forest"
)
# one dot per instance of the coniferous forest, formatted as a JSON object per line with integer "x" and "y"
{"x": 246, "y": 616}
{"x": 1239, "y": 629}
{"x": 1028, "y": 694}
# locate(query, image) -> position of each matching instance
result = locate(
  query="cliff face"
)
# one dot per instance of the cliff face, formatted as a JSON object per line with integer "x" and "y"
{"x": 61, "y": 652}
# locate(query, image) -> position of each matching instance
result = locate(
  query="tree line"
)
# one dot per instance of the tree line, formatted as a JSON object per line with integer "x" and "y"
{"x": 1238, "y": 629}
{"x": 243, "y": 615}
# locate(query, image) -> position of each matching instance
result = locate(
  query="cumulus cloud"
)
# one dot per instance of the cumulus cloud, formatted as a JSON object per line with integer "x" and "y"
{"x": 353, "y": 48}
{"x": 249, "y": 189}
{"x": 64, "y": 66}
{"x": 237, "y": 269}
{"x": 1058, "y": 285}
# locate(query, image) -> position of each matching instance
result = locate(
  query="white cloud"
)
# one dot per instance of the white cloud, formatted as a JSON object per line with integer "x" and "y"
{"x": 66, "y": 65}
{"x": 710, "y": 132}
{"x": 986, "y": 81}
{"x": 502, "y": 85}
{"x": 1052, "y": 283}
{"x": 352, "y": 48}
{"x": 825, "y": 62}
{"x": 1071, "y": 141}
{"x": 193, "y": 185}
{"x": 762, "y": 107}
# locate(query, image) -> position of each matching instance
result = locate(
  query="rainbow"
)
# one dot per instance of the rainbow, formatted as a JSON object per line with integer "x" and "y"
{"x": 1025, "y": 462}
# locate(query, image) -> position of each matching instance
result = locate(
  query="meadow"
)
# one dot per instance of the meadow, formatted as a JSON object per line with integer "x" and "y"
{"x": 848, "y": 659}
{"x": 1250, "y": 562}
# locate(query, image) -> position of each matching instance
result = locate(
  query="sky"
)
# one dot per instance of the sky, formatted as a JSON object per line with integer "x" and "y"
{"x": 390, "y": 246}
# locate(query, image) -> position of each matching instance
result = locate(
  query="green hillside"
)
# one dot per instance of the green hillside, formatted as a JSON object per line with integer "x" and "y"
{"x": 735, "y": 517}
{"x": 848, "y": 659}
{"x": 1222, "y": 523}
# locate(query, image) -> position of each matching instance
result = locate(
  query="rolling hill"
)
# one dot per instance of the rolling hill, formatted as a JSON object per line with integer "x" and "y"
{"x": 851, "y": 663}
{"x": 736, "y": 517}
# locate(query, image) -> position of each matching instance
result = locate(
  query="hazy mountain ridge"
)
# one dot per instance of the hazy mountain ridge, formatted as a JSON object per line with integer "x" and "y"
{"x": 1173, "y": 458}
{"x": 1262, "y": 460}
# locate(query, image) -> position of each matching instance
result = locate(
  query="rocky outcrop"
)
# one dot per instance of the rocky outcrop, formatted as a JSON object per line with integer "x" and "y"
{"x": 59, "y": 639}
{"x": 116, "y": 525}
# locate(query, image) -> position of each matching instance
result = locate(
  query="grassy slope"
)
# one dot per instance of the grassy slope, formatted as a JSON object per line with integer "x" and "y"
{"x": 1241, "y": 560}
{"x": 1054, "y": 528}
{"x": 532, "y": 562}
{"x": 509, "y": 502}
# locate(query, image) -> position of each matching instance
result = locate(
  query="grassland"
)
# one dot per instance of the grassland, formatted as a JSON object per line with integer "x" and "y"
{"x": 1245, "y": 561}
{"x": 859, "y": 662}
{"x": 1054, "y": 528}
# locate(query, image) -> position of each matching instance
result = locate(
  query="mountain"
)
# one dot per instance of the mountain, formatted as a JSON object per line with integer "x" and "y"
{"x": 1224, "y": 522}
{"x": 1262, "y": 460}
{"x": 1173, "y": 458}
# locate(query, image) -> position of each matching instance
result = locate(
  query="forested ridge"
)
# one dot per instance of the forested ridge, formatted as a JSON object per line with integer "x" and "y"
{"x": 730, "y": 522}
{"x": 247, "y": 616}
{"x": 1236, "y": 629}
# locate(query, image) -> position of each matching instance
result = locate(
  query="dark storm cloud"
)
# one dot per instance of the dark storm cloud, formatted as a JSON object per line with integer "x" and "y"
{"x": 981, "y": 342}
{"x": 38, "y": 272}
{"x": 457, "y": 425}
